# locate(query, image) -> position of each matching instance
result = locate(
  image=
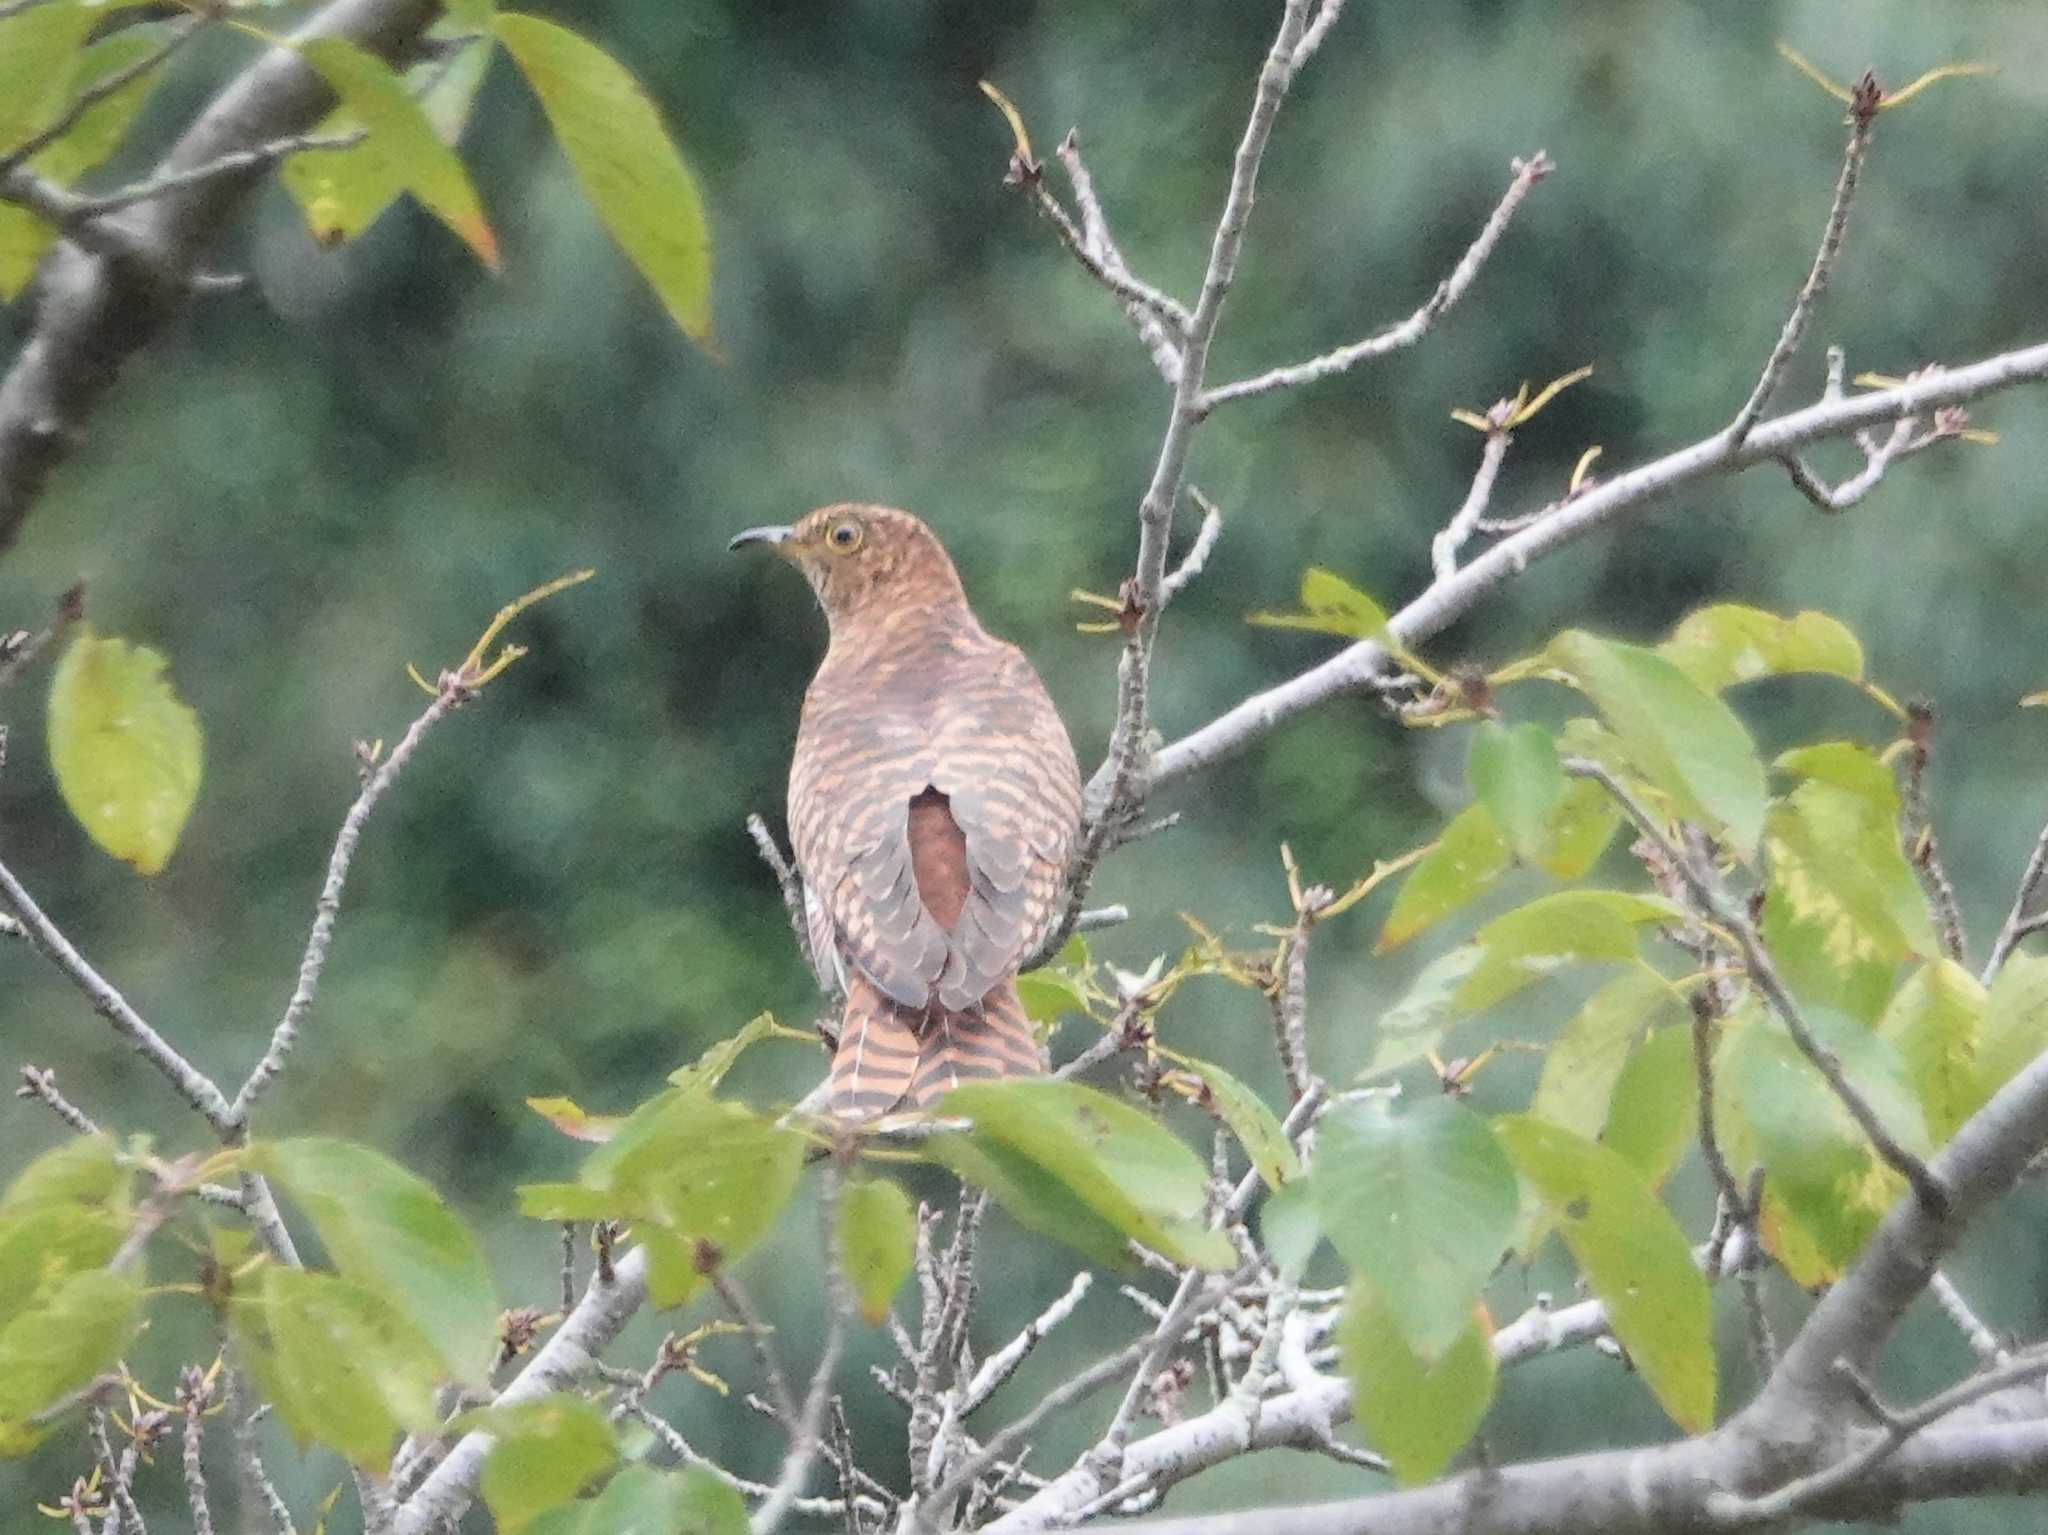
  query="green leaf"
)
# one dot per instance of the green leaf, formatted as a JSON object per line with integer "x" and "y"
{"x": 1935, "y": 1023}
{"x": 24, "y": 237}
{"x": 61, "y": 1343}
{"x": 1556, "y": 932}
{"x": 1290, "y": 1224}
{"x": 42, "y": 1247}
{"x": 37, "y": 47}
{"x": 1728, "y": 643}
{"x": 877, "y": 1243}
{"x": 1633, "y": 1256}
{"x": 1049, "y": 996}
{"x": 1330, "y": 605}
{"x": 1580, "y": 830}
{"x": 547, "y": 1451}
{"x": 401, "y": 144}
{"x": 1467, "y": 859}
{"x": 1414, "y": 1025}
{"x": 1656, "y": 1108}
{"x": 1581, "y": 1069}
{"x": 1100, "y": 1154}
{"x": 81, "y": 1170}
{"x": 1678, "y": 736}
{"x": 1417, "y": 1412}
{"x": 1516, "y": 776}
{"x": 1256, "y": 1127}
{"x": 1821, "y": 1173}
{"x": 343, "y": 1367}
{"x": 1421, "y": 1202}
{"x": 636, "y": 181}
{"x": 126, "y": 750}
{"x": 569, "y": 1117}
{"x": 643, "y": 1501}
{"x": 710, "y": 1068}
{"x": 389, "y": 1232}
{"x": 2015, "y": 1026}
{"x": 702, "y": 1181}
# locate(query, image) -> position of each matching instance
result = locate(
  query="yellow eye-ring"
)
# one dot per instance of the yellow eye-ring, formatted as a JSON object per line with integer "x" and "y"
{"x": 844, "y": 537}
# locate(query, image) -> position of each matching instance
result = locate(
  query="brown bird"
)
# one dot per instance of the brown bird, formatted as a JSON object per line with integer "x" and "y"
{"x": 933, "y": 801}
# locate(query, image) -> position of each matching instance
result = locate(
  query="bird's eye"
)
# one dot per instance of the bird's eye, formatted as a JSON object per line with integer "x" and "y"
{"x": 844, "y": 537}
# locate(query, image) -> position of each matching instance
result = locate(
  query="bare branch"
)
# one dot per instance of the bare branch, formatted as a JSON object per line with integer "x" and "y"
{"x": 1196, "y": 560}
{"x": 789, "y": 882}
{"x": 1444, "y": 548}
{"x": 1862, "y": 113}
{"x": 1160, "y": 331}
{"x": 41, "y": 1085}
{"x": 328, "y": 907}
{"x": 1002, "y": 1364}
{"x": 193, "y": 1085}
{"x": 1916, "y": 831}
{"x": 195, "y": 1393}
{"x": 69, "y": 210}
{"x": 19, "y": 650}
{"x": 1443, "y": 602}
{"x": 2020, "y": 920}
{"x": 1982, "y": 1340}
{"x": 1405, "y": 333}
{"x": 806, "y": 1430}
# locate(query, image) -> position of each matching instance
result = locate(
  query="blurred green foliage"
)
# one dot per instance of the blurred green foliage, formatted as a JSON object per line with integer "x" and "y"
{"x": 352, "y": 464}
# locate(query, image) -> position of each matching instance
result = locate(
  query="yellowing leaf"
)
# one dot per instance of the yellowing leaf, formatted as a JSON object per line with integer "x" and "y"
{"x": 567, "y": 1116}
{"x": 1728, "y": 643}
{"x": 126, "y": 750}
{"x": 399, "y": 131}
{"x": 342, "y": 192}
{"x": 622, "y": 156}
{"x": 1330, "y": 605}
{"x": 1467, "y": 859}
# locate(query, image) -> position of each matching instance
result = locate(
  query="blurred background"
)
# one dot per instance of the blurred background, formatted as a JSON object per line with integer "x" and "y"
{"x": 351, "y": 464}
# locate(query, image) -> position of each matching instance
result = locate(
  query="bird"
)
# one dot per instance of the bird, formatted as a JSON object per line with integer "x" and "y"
{"x": 934, "y": 802}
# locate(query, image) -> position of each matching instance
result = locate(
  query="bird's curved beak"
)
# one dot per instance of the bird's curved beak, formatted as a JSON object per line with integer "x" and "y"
{"x": 776, "y": 538}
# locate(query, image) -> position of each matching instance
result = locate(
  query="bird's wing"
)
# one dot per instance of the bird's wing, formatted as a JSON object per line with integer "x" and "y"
{"x": 1012, "y": 786}
{"x": 855, "y": 772}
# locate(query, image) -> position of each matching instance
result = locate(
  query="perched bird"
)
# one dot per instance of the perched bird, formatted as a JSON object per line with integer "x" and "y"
{"x": 933, "y": 801}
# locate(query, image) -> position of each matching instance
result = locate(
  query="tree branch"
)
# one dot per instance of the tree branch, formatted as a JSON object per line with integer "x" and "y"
{"x": 1446, "y": 600}
{"x": 1404, "y": 333}
{"x": 193, "y": 1085}
{"x": 327, "y": 908}
{"x": 102, "y": 299}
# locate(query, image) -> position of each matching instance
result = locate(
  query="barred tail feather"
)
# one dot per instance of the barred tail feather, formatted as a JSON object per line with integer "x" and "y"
{"x": 975, "y": 1045}
{"x": 889, "y": 1053}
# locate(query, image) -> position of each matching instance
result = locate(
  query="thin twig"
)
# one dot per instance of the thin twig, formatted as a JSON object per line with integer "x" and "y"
{"x": 806, "y": 1429}
{"x": 790, "y": 883}
{"x": 1862, "y": 113}
{"x": 1444, "y": 548}
{"x": 1982, "y": 1340}
{"x": 758, "y": 1333}
{"x": 194, "y": 1394}
{"x": 1162, "y": 336}
{"x": 328, "y": 907}
{"x": 1002, "y": 1364}
{"x": 1196, "y": 560}
{"x": 1763, "y": 975}
{"x": 19, "y": 650}
{"x": 1897, "y": 1427}
{"x": 193, "y": 1085}
{"x": 75, "y": 211}
{"x": 2019, "y": 921}
{"x": 1405, "y": 333}
{"x": 41, "y": 1085}
{"x": 1916, "y": 833}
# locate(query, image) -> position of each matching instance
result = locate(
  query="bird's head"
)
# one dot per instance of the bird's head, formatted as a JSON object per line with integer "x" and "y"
{"x": 864, "y": 560}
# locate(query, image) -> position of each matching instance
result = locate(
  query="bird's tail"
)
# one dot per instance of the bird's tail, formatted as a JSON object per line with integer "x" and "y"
{"x": 889, "y": 1053}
